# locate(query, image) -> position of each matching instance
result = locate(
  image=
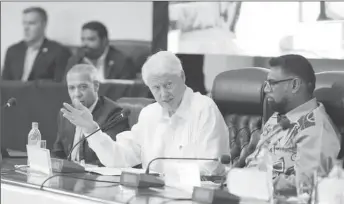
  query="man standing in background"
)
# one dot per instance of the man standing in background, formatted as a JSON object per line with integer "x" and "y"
{"x": 35, "y": 57}
{"x": 110, "y": 62}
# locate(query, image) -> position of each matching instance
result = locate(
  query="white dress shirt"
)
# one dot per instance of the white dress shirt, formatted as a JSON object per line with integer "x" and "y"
{"x": 197, "y": 129}
{"x": 78, "y": 136}
{"x": 99, "y": 64}
{"x": 30, "y": 57}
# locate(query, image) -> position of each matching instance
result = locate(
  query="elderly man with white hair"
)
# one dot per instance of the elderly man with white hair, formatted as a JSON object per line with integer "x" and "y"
{"x": 181, "y": 123}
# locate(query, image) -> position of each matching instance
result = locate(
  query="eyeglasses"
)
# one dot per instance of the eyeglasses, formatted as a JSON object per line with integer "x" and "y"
{"x": 269, "y": 83}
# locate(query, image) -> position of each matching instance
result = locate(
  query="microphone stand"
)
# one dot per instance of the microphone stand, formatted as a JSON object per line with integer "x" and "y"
{"x": 83, "y": 139}
{"x": 146, "y": 180}
{"x": 215, "y": 196}
{"x": 68, "y": 166}
{"x": 104, "y": 128}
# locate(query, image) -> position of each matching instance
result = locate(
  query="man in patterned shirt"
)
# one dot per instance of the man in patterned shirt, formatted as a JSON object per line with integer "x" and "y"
{"x": 299, "y": 137}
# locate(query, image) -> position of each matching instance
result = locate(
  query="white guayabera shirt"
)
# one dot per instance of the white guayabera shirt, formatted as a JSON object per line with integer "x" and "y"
{"x": 197, "y": 129}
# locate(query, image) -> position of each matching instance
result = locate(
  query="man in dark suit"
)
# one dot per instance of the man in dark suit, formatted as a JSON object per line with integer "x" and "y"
{"x": 35, "y": 57}
{"x": 110, "y": 62}
{"x": 82, "y": 88}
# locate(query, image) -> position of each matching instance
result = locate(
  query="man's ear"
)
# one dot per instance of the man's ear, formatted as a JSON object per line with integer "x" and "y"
{"x": 296, "y": 84}
{"x": 96, "y": 86}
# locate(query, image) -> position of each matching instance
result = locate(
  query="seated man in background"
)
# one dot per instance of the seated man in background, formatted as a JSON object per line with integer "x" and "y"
{"x": 299, "y": 136}
{"x": 35, "y": 57}
{"x": 96, "y": 50}
{"x": 181, "y": 123}
{"x": 83, "y": 86}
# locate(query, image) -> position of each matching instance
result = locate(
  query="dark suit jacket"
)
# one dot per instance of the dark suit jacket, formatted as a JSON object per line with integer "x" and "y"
{"x": 117, "y": 65}
{"x": 49, "y": 64}
{"x": 104, "y": 112}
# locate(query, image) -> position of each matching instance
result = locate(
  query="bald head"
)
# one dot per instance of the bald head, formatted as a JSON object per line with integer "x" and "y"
{"x": 83, "y": 84}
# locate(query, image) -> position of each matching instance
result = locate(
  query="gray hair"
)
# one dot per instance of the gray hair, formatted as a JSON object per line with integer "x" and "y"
{"x": 88, "y": 69}
{"x": 162, "y": 62}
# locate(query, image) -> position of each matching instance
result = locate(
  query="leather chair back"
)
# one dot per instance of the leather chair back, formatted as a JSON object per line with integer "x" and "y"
{"x": 138, "y": 50}
{"x": 330, "y": 91}
{"x": 135, "y": 106}
{"x": 239, "y": 96}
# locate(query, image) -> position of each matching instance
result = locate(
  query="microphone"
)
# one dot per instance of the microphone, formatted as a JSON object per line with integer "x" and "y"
{"x": 146, "y": 180}
{"x": 67, "y": 166}
{"x": 10, "y": 103}
{"x": 215, "y": 195}
{"x": 118, "y": 118}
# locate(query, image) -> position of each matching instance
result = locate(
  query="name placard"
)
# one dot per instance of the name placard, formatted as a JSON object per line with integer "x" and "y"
{"x": 250, "y": 183}
{"x": 39, "y": 159}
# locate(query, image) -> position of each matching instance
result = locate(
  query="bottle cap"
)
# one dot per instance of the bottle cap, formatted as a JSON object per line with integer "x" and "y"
{"x": 35, "y": 124}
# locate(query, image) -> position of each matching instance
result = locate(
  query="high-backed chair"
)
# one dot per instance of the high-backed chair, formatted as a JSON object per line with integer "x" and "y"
{"x": 135, "y": 106}
{"x": 330, "y": 91}
{"x": 238, "y": 94}
{"x": 240, "y": 98}
{"x": 138, "y": 50}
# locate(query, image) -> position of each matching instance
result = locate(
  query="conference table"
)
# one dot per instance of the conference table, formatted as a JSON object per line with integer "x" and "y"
{"x": 19, "y": 187}
{"x": 40, "y": 101}
{"x": 23, "y": 187}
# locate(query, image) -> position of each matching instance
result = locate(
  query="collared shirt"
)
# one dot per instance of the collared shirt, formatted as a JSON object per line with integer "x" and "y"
{"x": 78, "y": 136}
{"x": 99, "y": 64}
{"x": 311, "y": 143}
{"x": 197, "y": 129}
{"x": 30, "y": 57}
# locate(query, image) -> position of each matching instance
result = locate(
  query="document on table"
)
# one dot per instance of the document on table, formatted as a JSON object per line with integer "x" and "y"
{"x": 108, "y": 171}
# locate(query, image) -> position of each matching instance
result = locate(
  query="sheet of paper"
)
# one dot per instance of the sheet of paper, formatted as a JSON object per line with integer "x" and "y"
{"x": 189, "y": 174}
{"x": 249, "y": 183}
{"x": 108, "y": 171}
{"x": 184, "y": 176}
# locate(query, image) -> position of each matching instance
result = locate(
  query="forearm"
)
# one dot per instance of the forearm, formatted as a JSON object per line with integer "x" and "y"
{"x": 111, "y": 153}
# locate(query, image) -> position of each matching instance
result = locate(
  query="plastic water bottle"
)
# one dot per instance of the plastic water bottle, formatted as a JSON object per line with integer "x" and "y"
{"x": 34, "y": 136}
